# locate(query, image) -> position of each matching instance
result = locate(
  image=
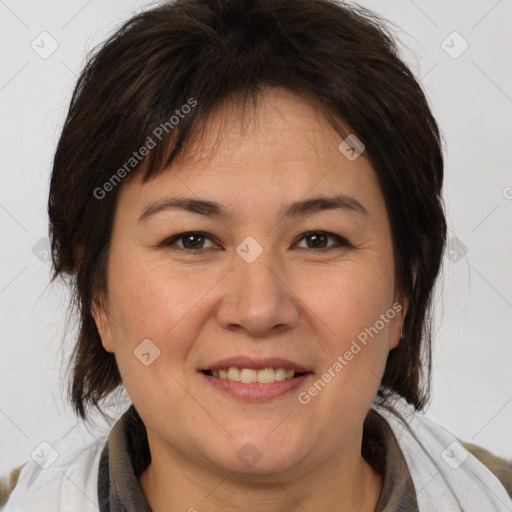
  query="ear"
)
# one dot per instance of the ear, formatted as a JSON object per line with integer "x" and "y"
{"x": 400, "y": 306}
{"x": 102, "y": 320}
{"x": 78, "y": 255}
{"x": 398, "y": 322}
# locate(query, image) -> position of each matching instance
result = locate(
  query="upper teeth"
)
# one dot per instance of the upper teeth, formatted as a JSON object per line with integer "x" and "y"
{"x": 247, "y": 375}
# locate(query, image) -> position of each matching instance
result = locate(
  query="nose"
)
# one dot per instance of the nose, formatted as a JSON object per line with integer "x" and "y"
{"x": 258, "y": 299}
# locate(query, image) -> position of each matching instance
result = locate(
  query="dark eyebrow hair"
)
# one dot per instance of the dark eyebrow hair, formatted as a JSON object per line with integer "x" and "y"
{"x": 296, "y": 209}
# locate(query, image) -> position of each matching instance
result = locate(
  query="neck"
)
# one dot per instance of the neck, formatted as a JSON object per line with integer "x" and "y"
{"x": 344, "y": 482}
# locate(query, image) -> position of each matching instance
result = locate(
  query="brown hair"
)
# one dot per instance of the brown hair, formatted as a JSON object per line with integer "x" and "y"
{"x": 342, "y": 58}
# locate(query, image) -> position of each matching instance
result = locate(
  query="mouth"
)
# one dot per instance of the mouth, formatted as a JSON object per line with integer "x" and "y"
{"x": 250, "y": 375}
{"x": 255, "y": 380}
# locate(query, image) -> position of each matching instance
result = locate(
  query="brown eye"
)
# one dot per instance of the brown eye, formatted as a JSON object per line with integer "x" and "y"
{"x": 193, "y": 241}
{"x": 319, "y": 240}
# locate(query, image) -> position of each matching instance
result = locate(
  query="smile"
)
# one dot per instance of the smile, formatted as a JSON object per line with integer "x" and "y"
{"x": 251, "y": 389}
{"x": 249, "y": 375}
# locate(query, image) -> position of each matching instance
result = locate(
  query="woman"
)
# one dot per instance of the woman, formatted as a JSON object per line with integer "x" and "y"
{"x": 247, "y": 196}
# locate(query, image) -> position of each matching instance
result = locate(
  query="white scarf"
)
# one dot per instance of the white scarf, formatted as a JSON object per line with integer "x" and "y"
{"x": 446, "y": 477}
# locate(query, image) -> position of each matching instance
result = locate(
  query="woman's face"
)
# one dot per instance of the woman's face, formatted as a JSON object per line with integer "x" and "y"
{"x": 254, "y": 285}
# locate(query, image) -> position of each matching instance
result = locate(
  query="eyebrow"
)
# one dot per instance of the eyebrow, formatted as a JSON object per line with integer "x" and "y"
{"x": 293, "y": 210}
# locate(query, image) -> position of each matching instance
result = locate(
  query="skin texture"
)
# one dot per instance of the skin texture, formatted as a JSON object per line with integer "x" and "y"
{"x": 295, "y": 301}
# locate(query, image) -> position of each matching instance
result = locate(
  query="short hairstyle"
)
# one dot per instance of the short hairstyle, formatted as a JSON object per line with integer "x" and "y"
{"x": 342, "y": 58}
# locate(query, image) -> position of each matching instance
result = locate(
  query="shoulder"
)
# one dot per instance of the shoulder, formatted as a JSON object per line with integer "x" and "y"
{"x": 61, "y": 478}
{"x": 442, "y": 467}
{"x": 8, "y": 484}
{"x": 501, "y": 468}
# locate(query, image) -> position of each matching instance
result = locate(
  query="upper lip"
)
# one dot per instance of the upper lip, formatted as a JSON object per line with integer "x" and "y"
{"x": 255, "y": 363}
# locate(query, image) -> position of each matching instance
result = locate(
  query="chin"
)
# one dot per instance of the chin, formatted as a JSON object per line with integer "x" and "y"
{"x": 257, "y": 455}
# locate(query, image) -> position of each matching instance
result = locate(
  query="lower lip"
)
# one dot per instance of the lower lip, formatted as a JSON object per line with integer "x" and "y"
{"x": 256, "y": 391}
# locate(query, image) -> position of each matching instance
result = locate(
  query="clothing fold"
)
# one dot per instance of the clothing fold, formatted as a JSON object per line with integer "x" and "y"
{"x": 424, "y": 466}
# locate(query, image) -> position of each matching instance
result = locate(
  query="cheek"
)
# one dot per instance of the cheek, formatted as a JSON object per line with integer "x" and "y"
{"x": 151, "y": 301}
{"x": 164, "y": 305}
{"x": 152, "y": 330}
{"x": 354, "y": 316}
{"x": 353, "y": 297}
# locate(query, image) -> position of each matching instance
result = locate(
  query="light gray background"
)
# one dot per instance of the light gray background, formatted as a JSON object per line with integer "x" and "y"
{"x": 471, "y": 97}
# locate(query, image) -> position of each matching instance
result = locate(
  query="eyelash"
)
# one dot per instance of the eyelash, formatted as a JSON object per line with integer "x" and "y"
{"x": 341, "y": 242}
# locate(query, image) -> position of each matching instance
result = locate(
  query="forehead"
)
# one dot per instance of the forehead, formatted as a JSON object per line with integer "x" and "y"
{"x": 283, "y": 124}
{"x": 279, "y": 151}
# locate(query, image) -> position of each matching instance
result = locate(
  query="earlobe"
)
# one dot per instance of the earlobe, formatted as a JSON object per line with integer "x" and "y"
{"x": 101, "y": 319}
{"x": 399, "y": 339}
{"x": 395, "y": 340}
{"x": 397, "y": 331}
{"x": 78, "y": 255}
